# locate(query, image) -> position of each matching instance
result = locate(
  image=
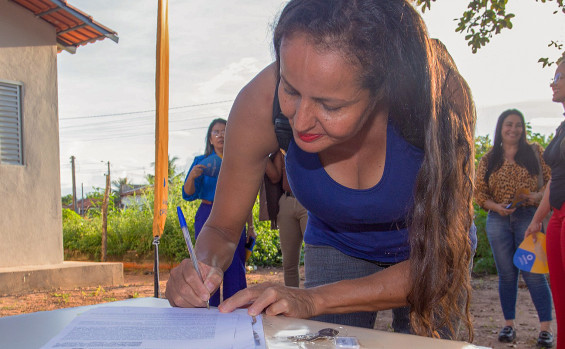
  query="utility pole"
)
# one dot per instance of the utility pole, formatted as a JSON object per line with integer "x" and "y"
{"x": 105, "y": 216}
{"x": 74, "y": 185}
{"x": 82, "y": 199}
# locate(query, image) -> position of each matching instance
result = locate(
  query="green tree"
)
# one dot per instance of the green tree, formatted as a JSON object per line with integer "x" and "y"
{"x": 485, "y": 18}
{"x": 172, "y": 171}
{"x": 482, "y": 146}
{"x": 119, "y": 183}
{"x": 98, "y": 196}
{"x": 67, "y": 199}
{"x": 118, "y": 186}
{"x": 538, "y": 138}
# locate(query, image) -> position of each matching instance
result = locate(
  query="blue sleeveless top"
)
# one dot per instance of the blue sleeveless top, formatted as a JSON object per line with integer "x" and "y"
{"x": 369, "y": 223}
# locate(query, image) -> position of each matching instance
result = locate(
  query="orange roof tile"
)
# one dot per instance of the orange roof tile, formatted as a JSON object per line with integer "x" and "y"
{"x": 74, "y": 28}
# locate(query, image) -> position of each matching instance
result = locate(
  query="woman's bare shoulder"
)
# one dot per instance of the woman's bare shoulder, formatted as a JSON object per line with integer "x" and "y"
{"x": 252, "y": 111}
{"x": 260, "y": 91}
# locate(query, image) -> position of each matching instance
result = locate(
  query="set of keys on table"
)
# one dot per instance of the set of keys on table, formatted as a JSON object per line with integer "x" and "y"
{"x": 327, "y": 333}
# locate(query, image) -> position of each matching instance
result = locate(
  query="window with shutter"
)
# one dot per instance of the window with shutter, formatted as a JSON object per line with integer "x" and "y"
{"x": 10, "y": 123}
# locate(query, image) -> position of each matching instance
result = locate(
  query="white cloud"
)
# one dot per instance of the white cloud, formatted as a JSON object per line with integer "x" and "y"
{"x": 233, "y": 77}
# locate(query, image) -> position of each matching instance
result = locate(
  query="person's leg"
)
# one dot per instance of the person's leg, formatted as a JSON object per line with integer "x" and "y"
{"x": 537, "y": 283}
{"x": 302, "y": 215}
{"x": 324, "y": 265}
{"x": 501, "y": 240}
{"x": 541, "y": 295}
{"x": 555, "y": 246}
{"x": 234, "y": 276}
{"x": 290, "y": 239}
{"x": 199, "y": 219}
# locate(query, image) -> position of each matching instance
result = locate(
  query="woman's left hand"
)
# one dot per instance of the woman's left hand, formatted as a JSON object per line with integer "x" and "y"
{"x": 274, "y": 299}
{"x": 532, "y": 198}
{"x": 532, "y": 229}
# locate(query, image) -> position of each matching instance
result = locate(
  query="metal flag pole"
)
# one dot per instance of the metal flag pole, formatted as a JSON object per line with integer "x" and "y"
{"x": 156, "y": 268}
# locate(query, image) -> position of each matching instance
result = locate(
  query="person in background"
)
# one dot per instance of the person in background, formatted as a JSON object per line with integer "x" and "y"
{"x": 513, "y": 165}
{"x": 554, "y": 199}
{"x": 200, "y": 186}
{"x": 381, "y": 157}
{"x": 291, "y": 221}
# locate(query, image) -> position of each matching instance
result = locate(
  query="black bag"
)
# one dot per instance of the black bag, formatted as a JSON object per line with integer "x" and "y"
{"x": 269, "y": 196}
{"x": 282, "y": 126}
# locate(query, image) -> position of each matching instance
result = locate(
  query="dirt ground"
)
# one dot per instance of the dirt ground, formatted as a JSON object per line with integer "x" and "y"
{"x": 138, "y": 282}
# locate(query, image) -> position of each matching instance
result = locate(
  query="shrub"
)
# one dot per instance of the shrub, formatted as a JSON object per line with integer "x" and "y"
{"x": 131, "y": 230}
{"x": 484, "y": 261}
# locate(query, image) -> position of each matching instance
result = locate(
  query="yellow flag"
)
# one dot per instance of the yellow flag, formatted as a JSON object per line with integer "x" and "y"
{"x": 162, "y": 120}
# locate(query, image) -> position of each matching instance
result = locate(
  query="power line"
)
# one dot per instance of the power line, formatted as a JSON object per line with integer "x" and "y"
{"x": 145, "y": 111}
{"x": 121, "y": 136}
{"x": 135, "y": 123}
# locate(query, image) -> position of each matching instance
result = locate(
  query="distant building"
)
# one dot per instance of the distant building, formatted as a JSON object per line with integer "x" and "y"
{"x": 83, "y": 205}
{"x": 133, "y": 195}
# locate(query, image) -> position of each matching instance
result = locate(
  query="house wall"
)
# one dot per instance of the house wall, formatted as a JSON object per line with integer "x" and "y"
{"x": 30, "y": 194}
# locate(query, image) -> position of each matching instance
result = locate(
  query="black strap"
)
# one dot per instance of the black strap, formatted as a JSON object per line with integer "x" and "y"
{"x": 283, "y": 131}
{"x": 540, "y": 174}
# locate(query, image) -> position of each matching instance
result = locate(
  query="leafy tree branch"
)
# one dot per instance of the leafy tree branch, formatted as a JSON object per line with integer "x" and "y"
{"x": 485, "y": 18}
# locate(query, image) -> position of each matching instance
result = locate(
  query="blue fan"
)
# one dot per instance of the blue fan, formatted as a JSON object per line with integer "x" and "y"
{"x": 212, "y": 165}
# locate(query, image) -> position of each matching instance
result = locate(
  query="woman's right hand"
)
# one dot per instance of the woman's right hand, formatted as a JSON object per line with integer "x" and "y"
{"x": 502, "y": 210}
{"x": 532, "y": 229}
{"x": 196, "y": 172}
{"x": 185, "y": 289}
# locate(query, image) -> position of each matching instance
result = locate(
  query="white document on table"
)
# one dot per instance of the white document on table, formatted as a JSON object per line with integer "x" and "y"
{"x": 152, "y": 328}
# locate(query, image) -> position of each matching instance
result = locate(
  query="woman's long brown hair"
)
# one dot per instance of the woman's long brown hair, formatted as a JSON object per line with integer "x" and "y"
{"x": 431, "y": 105}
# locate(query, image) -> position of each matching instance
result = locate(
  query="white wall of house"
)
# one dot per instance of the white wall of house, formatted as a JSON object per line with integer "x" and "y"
{"x": 30, "y": 194}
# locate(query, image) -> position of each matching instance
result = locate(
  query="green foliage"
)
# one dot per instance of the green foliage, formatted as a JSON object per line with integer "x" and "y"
{"x": 172, "y": 244}
{"x": 67, "y": 199}
{"x": 172, "y": 171}
{"x": 98, "y": 196}
{"x": 483, "y": 261}
{"x": 485, "y": 18}
{"x": 267, "y": 250}
{"x": 131, "y": 230}
{"x": 70, "y": 215}
{"x": 482, "y": 146}
{"x": 81, "y": 235}
{"x": 534, "y": 137}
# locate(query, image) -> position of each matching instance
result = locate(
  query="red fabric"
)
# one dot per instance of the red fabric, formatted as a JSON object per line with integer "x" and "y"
{"x": 555, "y": 245}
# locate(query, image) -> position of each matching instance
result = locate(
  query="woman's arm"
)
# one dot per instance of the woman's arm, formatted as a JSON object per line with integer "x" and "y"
{"x": 541, "y": 212}
{"x": 274, "y": 167}
{"x": 386, "y": 289}
{"x": 250, "y": 138}
{"x": 189, "y": 187}
{"x": 501, "y": 209}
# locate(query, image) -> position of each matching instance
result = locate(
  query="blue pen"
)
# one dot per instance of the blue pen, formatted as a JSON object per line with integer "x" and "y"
{"x": 184, "y": 229}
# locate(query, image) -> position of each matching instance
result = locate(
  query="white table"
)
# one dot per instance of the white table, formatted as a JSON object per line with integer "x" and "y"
{"x": 31, "y": 331}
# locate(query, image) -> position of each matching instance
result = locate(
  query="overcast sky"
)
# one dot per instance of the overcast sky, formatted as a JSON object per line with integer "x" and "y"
{"x": 106, "y": 90}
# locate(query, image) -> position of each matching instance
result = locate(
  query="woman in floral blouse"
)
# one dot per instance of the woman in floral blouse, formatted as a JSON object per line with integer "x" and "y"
{"x": 510, "y": 167}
